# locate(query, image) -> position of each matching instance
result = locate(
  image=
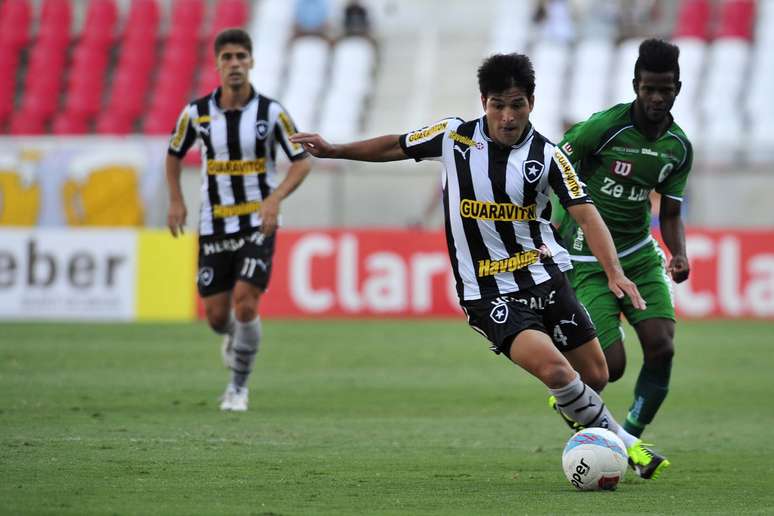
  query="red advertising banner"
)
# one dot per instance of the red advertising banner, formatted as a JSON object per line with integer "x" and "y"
{"x": 406, "y": 273}
{"x": 732, "y": 274}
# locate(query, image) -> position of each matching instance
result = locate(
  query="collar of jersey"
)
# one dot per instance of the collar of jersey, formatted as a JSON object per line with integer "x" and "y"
{"x": 524, "y": 139}
{"x": 216, "y": 98}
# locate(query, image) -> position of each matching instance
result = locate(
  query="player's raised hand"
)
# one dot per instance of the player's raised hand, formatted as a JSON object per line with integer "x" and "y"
{"x": 314, "y": 144}
{"x": 622, "y": 286}
{"x": 176, "y": 217}
{"x": 679, "y": 268}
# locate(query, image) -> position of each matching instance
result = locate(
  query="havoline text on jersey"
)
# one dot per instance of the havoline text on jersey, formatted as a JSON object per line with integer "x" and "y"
{"x": 238, "y": 157}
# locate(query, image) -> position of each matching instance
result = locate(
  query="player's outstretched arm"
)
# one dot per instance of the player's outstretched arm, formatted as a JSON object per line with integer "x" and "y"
{"x": 381, "y": 148}
{"x": 601, "y": 244}
{"x": 673, "y": 231}
{"x": 177, "y": 212}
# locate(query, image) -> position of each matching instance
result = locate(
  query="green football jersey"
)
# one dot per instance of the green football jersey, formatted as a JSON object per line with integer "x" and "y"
{"x": 620, "y": 167}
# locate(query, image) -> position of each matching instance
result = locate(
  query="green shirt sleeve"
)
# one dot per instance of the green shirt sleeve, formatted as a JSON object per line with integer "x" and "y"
{"x": 582, "y": 139}
{"x": 673, "y": 184}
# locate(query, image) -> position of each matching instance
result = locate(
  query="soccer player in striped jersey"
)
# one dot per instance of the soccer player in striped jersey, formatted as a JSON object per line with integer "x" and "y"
{"x": 623, "y": 154}
{"x": 508, "y": 264}
{"x": 239, "y": 130}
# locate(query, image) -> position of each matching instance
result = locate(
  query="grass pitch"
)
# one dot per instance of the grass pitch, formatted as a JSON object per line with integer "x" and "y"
{"x": 399, "y": 417}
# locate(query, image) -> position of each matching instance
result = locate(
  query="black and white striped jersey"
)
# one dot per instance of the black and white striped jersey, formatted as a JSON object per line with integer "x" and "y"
{"x": 496, "y": 204}
{"x": 238, "y": 157}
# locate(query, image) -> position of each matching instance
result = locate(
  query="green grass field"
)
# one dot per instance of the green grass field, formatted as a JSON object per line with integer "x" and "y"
{"x": 397, "y": 417}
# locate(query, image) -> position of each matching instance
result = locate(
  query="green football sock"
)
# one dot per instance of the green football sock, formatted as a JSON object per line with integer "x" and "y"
{"x": 649, "y": 393}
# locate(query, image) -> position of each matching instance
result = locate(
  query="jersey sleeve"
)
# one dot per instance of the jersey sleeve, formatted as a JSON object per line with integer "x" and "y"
{"x": 565, "y": 182}
{"x": 184, "y": 134}
{"x": 673, "y": 185}
{"x": 284, "y": 128}
{"x": 584, "y": 138}
{"x": 427, "y": 142}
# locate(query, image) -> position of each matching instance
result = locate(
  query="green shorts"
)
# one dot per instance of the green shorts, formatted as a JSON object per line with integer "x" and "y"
{"x": 646, "y": 267}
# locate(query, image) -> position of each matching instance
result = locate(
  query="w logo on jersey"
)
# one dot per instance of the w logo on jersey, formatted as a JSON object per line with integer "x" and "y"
{"x": 622, "y": 168}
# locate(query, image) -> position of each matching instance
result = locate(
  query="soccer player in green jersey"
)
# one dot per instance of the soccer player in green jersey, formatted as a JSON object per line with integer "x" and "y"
{"x": 623, "y": 154}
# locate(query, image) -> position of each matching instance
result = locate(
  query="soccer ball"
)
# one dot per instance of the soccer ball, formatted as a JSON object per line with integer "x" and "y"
{"x": 594, "y": 459}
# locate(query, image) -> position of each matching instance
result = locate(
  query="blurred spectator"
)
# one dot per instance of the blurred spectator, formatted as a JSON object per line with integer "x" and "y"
{"x": 554, "y": 19}
{"x": 598, "y": 19}
{"x": 311, "y": 18}
{"x": 641, "y": 19}
{"x": 356, "y": 21}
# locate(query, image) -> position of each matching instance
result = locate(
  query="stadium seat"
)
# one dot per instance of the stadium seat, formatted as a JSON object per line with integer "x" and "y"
{"x": 511, "y": 28}
{"x": 271, "y": 29}
{"x": 99, "y": 27}
{"x": 230, "y": 13}
{"x": 6, "y": 100}
{"x": 551, "y": 60}
{"x": 110, "y": 122}
{"x": 343, "y": 102}
{"x": 623, "y": 71}
{"x": 736, "y": 19}
{"x": 693, "y": 20}
{"x": 724, "y": 84}
{"x": 591, "y": 66}
{"x": 69, "y": 123}
{"x": 15, "y": 17}
{"x": 693, "y": 52}
{"x": 307, "y": 69}
{"x": 186, "y": 16}
{"x": 24, "y": 123}
{"x": 55, "y": 22}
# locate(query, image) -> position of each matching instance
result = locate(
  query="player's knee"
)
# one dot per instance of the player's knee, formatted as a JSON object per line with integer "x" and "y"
{"x": 596, "y": 377}
{"x": 217, "y": 317}
{"x": 245, "y": 305}
{"x": 556, "y": 375}
{"x": 615, "y": 372}
{"x": 659, "y": 351}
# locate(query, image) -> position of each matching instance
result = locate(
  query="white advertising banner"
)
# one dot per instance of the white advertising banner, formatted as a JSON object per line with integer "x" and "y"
{"x": 77, "y": 275}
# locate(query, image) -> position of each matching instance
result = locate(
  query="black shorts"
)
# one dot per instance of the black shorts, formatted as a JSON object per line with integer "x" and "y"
{"x": 550, "y": 307}
{"x": 226, "y": 259}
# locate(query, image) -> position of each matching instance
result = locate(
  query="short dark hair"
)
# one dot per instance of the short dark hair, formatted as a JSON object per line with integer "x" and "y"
{"x": 235, "y": 36}
{"x": 499, "y": 72}
{"x": 658, "y": 56}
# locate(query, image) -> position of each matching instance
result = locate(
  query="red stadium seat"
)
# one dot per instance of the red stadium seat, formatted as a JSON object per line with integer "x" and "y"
{"x": 230, "y": 13}
{"x": 693, "y": 20}
{"x": 15, "y": 17}
{"x": 187, "y": 16}
{"x": 160, "y": 122}
{"x": 736, "y": 19}
{"x": 6, "y": 99}
{"x": 100, "y": 24}
{"x": 70, "y": 123}
{"x": 110, "y": 122}
{"x": 55, "y": 16}
{"x": 26, "y": 123}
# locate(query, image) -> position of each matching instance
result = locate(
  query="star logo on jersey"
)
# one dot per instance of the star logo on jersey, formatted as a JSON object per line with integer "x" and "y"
{"x": 206, "y": 275}
{"x": 532, "y": 170}
{"x": 622, "y": 168}
{"x": 261, "y": 129}
{"x": 499, "y": 314}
